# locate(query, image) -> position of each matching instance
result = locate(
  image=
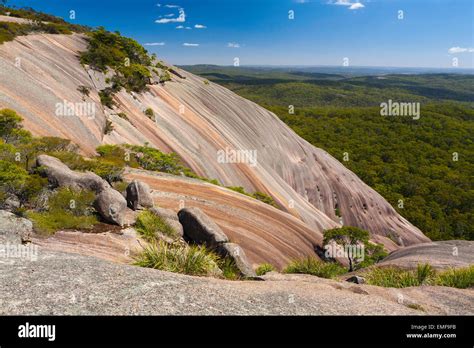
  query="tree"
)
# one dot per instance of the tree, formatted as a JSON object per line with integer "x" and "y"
{"x": 347, "y": 236}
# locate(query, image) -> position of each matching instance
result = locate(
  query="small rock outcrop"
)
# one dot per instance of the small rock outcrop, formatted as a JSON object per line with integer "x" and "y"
{"x": 236, "y": 253}
{"x": 111, "y": 205}
{"x": 138, "y": 195}
{"x": 13, "y": 229}
{"x": 170, "y": 217}
{"x": 356, "y": 279}
{"x": 199, "y": 228}
{"x": 59, "y": 175}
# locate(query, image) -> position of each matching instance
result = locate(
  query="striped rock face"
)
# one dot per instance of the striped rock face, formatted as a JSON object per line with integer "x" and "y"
{"x": 217, "y": 133}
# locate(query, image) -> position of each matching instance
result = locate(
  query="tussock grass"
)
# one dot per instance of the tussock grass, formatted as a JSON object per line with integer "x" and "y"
{"x": 192, "y": 260}
{"x": 264, "y": 268}
{"x": 313, "y": 266}
{"x": 148, "y": 224}
{"x": 424, "y": 275}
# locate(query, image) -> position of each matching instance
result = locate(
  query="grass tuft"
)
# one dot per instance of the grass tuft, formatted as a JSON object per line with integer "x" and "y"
{"x": 313, "y": 266}
{"x": 148, "y": 224}
{"x": 192, "y": 260}
{"x": 264, "y": 268}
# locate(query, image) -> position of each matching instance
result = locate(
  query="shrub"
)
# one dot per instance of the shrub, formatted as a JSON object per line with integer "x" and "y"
{"x": 263, "y": 197}
{"x": 148, "y": 224}
{"x": 106, "y": 97}
{"x": 391, "y": 277}
{"x": 150, "y": 113}
{"x": 85, "y": 91}
{"x": 52, "y": 221}
{"x": 123, "y": 116}
{"x": 193, "y": 260}
{"x": 76, "y": 202}
{"x": 165, "y": 76}
{"x": 313, "y": 266}
{"x": 67, "y": 209}
{"x": 264, "y": 268}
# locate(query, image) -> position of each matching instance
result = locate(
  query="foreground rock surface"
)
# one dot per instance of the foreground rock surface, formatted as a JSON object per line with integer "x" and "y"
{"x": 70, "y": 284}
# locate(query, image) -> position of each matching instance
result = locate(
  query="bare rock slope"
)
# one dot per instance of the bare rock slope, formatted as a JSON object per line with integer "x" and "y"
{"x": 70, "y": 284}
{"x": 195, "y": 120}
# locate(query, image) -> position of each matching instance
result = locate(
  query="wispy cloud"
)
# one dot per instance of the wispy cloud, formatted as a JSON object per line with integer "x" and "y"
{"x": 187, "y": 44}
{"x": 351, "y": 5}
{"x": 183, "y": 27}
{"x": 172, "y": 6}
{"x": 154, "y": 44}
{"x": 233, "y": 45}
{"x": 180, "y": 19}
{"x": 200, "y": 26}
{"x": 454, "y": 50}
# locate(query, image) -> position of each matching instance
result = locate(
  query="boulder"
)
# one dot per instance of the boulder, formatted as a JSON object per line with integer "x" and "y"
{"x": 14, "y": 229}
{"x": 11, "y": 203}
{"x": 59, "y": 174}
{"x": 236, "y": 253}
{"x": 356, "y": 279}
{"x": 170, "y": 217}
{"x": 139, "y": 195}
{"x": 111, "y": 205}
{"x": 199, "y": 228}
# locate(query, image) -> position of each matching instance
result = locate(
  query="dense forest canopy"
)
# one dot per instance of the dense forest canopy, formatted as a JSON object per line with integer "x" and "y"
{"x": 423, "y": 167}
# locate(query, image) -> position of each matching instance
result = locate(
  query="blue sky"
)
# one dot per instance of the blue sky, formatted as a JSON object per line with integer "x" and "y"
{"x": 260, "y": 32}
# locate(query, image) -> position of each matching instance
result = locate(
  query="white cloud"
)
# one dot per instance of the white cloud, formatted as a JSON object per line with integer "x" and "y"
{"x": 348, "y": 3}
{"x": 154, "y": 44}
{"x": 172, "y": 6}
{"x": 169, "y": 15}
{"x": 457, "y": 49}
{"x": 190, "y": 44}
{"x": 356, "y": 6}
{"x": 233, "y": 45}
{"x": 159, "y": 5}
{"x": 180, "y": 19}
{"x": 179, "y": 27}
{"x": 200, "y": 26}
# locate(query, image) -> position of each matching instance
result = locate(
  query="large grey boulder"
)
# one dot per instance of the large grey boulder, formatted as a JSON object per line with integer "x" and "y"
{"x": 199, "y": 228}
{"x": 139, "y": 195}
{"x": 13, "y": 229}
{"x": 59, "y": 174}
{"x": 236, "y": 253}
{"x": 170, "y": 217}
{"x": 111, "y": 205}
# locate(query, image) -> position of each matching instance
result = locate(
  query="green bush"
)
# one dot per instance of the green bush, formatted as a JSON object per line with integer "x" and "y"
{"x": 150, "y": 113}
{"x": 52, "y": 221}
{"x": 148, "y": 224}
{"x": 67, "y": 209}
{"x": 263, "y": 197}
{"x": 264, "y": 268}
{"x": 106, "y": 97}
{"x": 313, "y": 266}
{"x": 193, "y": 260}
{"x": 76, "y": 202}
